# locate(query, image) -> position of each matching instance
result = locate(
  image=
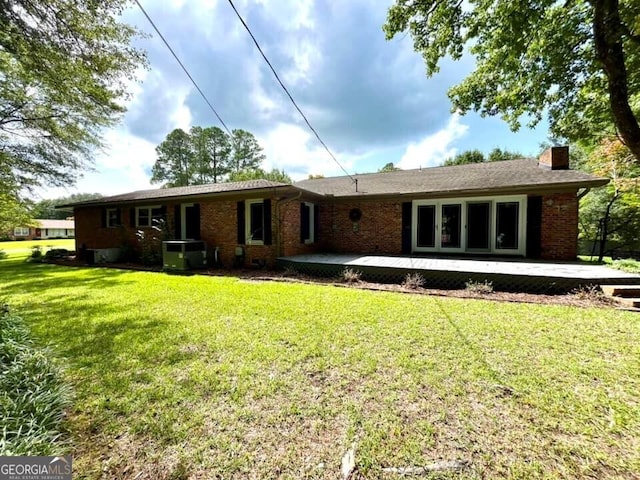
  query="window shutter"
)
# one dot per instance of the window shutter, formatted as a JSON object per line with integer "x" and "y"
{"x": 267, "y": 221}
{"x": 241, "y": 224}
{"x": 304, "y": 222}
{"x": 132, "y": 217}
{"x": 406, "y": 227}
{"x": 103, "y": 219}
{"x": 177, "y": 222}
{"x": 316, "y": 223}
{"x": 196, "y": 214}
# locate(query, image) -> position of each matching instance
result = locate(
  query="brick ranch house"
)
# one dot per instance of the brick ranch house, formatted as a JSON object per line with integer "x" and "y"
{"x": 524, "y": 208}
{"x": 42, "y": 229}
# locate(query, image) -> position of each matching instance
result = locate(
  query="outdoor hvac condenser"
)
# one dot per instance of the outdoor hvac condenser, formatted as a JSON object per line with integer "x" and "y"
{"x": 184, "y": 254}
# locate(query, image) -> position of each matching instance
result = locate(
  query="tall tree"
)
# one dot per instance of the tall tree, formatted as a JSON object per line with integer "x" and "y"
{"x": 498, "y": 155}
{"x": 64, "y": 69}
{"x": 14, "y": 211}
{"x": 611, "y": 215}
{"x": 274, "y": 175}
{"x": 47, "y": 208}
{"x": 175, "y": 163}
{"x": 389, "y": 167}
{"x": 247, "y": 152}
{"x": 212, "y": 152}
{"x": 464, "y": 158}
{"x": 577, "y": 60}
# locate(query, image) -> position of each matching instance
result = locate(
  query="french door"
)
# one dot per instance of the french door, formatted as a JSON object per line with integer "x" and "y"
{"x": 478, "y": 226}
{"x": 438, "y": 227}
{"x": 470, "y": 225}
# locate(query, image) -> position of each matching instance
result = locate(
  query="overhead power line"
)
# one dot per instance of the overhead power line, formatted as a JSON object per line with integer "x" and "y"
{"x": 183, "y": 67}
{"x": 287, "y": 92}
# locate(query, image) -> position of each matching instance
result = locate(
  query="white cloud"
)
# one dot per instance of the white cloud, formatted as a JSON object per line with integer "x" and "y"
{"x": 435, "y": 148}
{"x": 121, "y": 168}
{"x": 295, "y": 149}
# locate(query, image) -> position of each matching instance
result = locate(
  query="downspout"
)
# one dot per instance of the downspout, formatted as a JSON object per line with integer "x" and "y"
{"x": 279, "y": 204}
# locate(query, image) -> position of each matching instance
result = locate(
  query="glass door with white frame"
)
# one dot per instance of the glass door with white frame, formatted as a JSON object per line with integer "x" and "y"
{"x": 478, "y": 226}
{"x": 426, "y": 227}
{"x": 451, "y": 226}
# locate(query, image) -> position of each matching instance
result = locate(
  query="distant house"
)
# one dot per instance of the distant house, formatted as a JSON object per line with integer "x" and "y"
{"x": 45, "y": 229}
{"x": 524, "y": 208}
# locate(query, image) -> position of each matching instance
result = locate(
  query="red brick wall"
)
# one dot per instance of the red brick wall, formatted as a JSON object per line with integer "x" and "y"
{"x": 378, "y": 231}
{"x": 559, "y": 229}
{"x": 290, "y": 231}
{"x": 91, "y": 234}
{"x": 218, "y": 228}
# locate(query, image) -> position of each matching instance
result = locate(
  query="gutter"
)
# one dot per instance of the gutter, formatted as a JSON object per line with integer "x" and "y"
{"x": 583, "y": 193}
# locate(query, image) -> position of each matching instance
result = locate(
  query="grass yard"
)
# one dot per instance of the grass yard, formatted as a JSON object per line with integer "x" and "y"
{"x": 21, "y": 248}
{"x": 625, "y": 264}
{"x": 214, "y": 377}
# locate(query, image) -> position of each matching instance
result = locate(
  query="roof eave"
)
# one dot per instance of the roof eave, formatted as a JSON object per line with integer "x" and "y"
{"x": 192, "y": 196}
{"x": 506, "y": 190}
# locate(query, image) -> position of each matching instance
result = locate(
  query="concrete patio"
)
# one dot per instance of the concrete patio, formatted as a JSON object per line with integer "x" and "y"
{"x": 440, "y": 272}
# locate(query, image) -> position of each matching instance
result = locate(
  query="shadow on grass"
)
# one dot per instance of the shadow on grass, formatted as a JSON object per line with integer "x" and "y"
{"x": 85, "y": 328}
{"x": 16, "y": 272}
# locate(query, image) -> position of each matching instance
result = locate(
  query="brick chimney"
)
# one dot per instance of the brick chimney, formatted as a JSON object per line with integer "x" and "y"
{"x": 554, "y": 158}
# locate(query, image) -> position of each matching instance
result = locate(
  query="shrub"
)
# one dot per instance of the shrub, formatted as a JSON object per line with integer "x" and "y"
{"x": 151, "y": 242}
{"x": 3, "y": 254}
{"x": 57, "y": 253}
{"x": 351, "y": 276}
{"x": 481, "y": 288}
{"x": 36, "y": 252}
{"x": 413, "y": 281}
{"x": 32, "y": 395}
{"x": 627, "y": 265}
{"x": 592, "y": 293}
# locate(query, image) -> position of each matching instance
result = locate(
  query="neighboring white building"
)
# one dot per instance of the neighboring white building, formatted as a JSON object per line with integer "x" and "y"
{"x": 45, "y": 229}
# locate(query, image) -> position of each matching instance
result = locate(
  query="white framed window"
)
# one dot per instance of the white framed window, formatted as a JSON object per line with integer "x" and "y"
{"x": 254, "y": 218}
{"x": 146, "y": 215}
{"x": 21, "y": 232}
{"x": 472, "y": 224}
{"x": 113, "y": 217}
{"x": 307, "y": 222}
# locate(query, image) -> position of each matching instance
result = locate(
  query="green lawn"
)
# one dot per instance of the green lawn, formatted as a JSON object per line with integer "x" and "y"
{"x": 21, "y": 248}
{"x": 625, "y": 264}
{"x": 215, "y": 377}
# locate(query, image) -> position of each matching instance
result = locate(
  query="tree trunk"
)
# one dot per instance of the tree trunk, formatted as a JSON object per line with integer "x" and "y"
{"x": 604, "y": 232}
{"x": 608, "y": 33}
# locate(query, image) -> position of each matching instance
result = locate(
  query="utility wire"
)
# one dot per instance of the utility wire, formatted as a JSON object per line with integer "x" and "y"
{"x": 287, "y": 92}
{"x": 183, "y": 67}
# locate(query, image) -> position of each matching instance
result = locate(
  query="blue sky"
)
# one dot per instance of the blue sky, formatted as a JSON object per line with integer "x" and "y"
{"x": 369, "y": 98}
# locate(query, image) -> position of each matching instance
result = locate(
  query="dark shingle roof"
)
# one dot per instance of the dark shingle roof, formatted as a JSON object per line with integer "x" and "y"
{"x": 192, "y": 190}
{"x": 479, "y": 177}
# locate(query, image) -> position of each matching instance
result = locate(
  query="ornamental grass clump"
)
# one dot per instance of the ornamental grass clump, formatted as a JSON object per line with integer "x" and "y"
{"x": 351, "y": 276}
{"x": 33, "y": 397}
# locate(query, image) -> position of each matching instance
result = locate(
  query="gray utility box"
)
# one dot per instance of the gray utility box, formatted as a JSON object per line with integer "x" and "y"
{"x": 184, "y": 254}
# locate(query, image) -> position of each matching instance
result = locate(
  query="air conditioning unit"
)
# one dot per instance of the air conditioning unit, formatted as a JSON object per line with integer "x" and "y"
{"x": 106, "y": 255}
{"x": 184, "y": 255}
